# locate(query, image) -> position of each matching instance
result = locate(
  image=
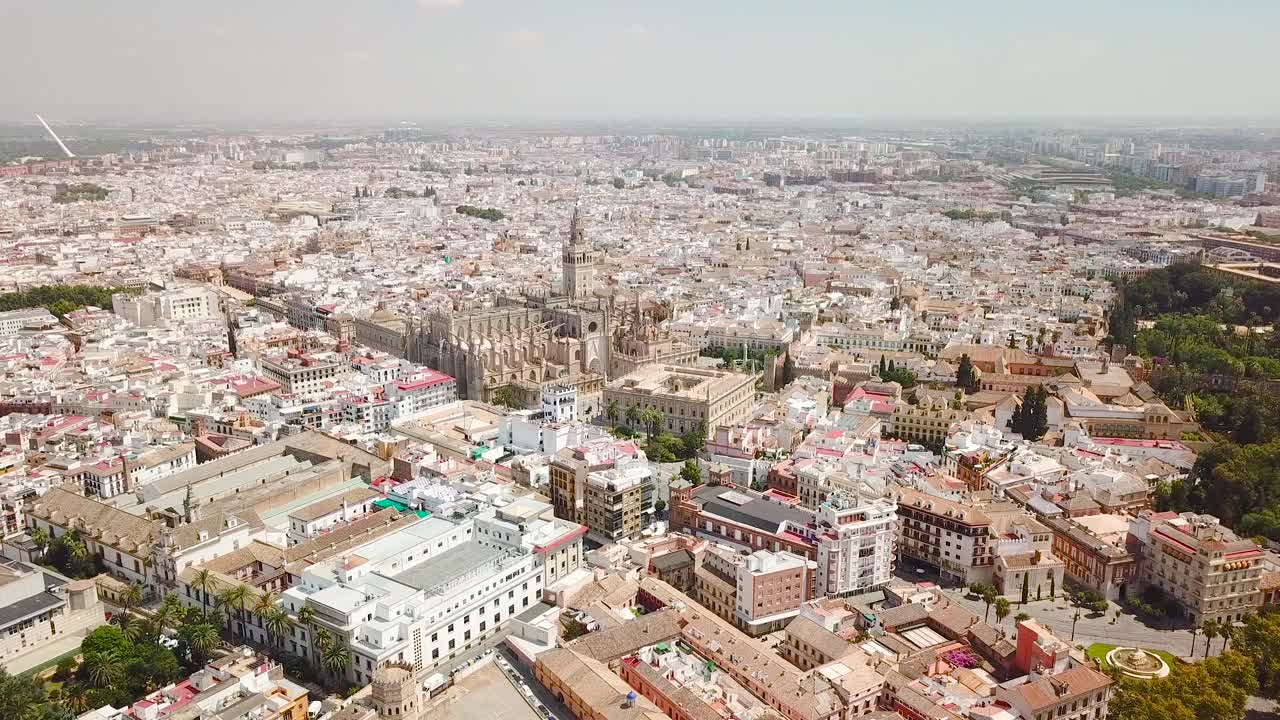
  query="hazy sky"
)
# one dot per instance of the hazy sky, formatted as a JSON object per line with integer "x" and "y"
{"x": 613, "y": 59}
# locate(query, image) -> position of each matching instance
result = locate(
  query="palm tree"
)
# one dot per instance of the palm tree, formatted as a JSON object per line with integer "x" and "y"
{"x": 40, "y": 538}
{"x": 1227, "y": 630}
{"x": 205, "y": 582}
{"x": 169, "y": 614}
{"x": 611, "y": 412}
{"x": 235, "y": 599}
{"x": 335, "y": 658}
{"x": 75, "y": 697}
{"x": 104, "y": 668}
{"x": 1002, "y": 610}
{"x": 1021, "y": 617}
{"x": 203, "y": 638}
{"x": 278, "y": 624}
{"x": 264, "y": 605}
{"x": 1195, "y": 629}
{"x": 652, "y": 419}
{"x": 633, "y": 415}
{"x": 322, "y": 639}
{"x": 989, "y": 596}
{"x": 131, "y": 597}
{"x": 1210, "y": 628}
{"x": 306, "y": 615}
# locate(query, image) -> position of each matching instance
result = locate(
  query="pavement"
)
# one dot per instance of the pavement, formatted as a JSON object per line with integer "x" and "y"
{"x": 557, "y": 709}
{"x": 483, "y": 694}
{"x": 1057, "y": 615}
{"x": 43, "y": 653}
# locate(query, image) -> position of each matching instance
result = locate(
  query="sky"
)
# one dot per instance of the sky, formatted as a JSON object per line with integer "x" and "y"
{"x": 508, "y": 60}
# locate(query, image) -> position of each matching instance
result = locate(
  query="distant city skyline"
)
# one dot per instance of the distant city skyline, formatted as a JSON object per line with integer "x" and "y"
{"x": 507, "y": 60}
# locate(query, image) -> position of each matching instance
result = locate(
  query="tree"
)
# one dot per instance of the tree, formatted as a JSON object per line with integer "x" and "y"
{"x": 40, "y": 538}
{"x": 1002, "y": 610}
{"x": 1013, "y": 341}
{"x": 652, "y": 419}
{"x": 205, "y": 582}
{"x": 1021, "y": 617}
{"x": 966, "y": 378}
{"x": 131, "y": 597}
{"x": 659, "y": 505}
{"x": 505, "y": 396}
{"x": 619, "y": 183}
{"x": 335, "y": 659}
{"x": 1215, "y": 689}
{"x": 989, "y": 596}
{"x": 1026, "y": 587}
{"x": 1210, "y": 628}
{"x": 691, "y": 473}
{"x": 633, "y": 415}
{"x": 611, "y": 411}
{"x": 895, "y": 303}
{"x": 1259, "y": 639}
{"x": 104, "y": 669}
{"x": 201, "y": 638}
{"x": 306, "y": 616}
{"x": 234, "y": 600}
{"x": 278, "y": 624}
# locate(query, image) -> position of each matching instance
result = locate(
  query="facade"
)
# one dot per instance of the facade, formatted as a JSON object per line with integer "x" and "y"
{"x": 927, "y": 422}
{"x": 619, "y": 501}
{"x": 855, "y": 544}
{"x": 570, "y": 468}
{"x": 313, "y": 520}
{"x": 1103, "y": 565}
{"x": 38, "y": 608}
{"x": 688, "y": 398}
{"x": 952, "y": 537}
{"x": 168, "y": 307}
{"x": 1212, "y": 573}
{"x": 771, "y": 587}
{"x": 1080, "y": 693}
{"x": 300, "y": 374}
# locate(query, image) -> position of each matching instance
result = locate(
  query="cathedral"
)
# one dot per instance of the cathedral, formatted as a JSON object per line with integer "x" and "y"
{"x": 527, "y": 342}
{"x": 575, "y": 338}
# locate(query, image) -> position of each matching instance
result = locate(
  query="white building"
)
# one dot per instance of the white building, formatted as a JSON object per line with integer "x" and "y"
{"x": 435, "y": 589}
{"x": 168, "y": 307}
{"x": 856, "y": 538}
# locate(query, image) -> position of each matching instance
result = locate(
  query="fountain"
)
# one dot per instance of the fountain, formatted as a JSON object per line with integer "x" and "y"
{"x": 1136, "y": 663}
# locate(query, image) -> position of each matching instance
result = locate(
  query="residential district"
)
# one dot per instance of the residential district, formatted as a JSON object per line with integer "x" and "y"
{"x": 398, "y": 426}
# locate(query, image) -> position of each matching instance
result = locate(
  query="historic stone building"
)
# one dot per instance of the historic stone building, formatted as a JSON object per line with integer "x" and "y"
{"x": 526, "y": 342}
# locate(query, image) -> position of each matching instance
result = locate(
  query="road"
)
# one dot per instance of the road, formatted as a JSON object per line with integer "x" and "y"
{"x": 1057, "y": 615}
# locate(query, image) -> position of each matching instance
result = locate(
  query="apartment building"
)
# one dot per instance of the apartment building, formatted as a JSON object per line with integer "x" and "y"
{"x": 855, "y": 539}
{"x": 771, "y": 587}
{"x": 422, "y": 390}
{"x": 1210, "y": 571}
{"x": 619, "y": 501}
{"x": 301, "y": 374}
{"x": 570, "y": 467}
{"x": 1080, "y": 693}
{"x": 688, "y": 398}
{"x": 953, "y": 537}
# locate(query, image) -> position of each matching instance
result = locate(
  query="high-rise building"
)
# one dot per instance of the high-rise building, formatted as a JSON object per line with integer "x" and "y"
{"x": 856, "y": 538}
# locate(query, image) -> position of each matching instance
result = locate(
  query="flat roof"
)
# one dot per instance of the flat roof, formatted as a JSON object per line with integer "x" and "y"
{"x": 451, "y": 565}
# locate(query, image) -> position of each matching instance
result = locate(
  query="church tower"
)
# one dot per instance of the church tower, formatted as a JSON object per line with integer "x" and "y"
{"x": 579, "y": 261}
